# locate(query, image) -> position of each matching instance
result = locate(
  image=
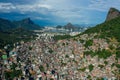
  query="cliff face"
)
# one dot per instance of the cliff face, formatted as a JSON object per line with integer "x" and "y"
{"x": 113, "y": 13}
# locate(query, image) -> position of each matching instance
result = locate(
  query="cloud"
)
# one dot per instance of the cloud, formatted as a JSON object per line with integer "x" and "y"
{"x": 6, "y": 7}
{"x": 40, "y": 18}
{"x": 36, "y": 7}
{"x": 104, "y": 5}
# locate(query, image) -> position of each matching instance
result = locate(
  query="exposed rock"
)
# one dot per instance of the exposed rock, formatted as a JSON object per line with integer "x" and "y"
{"x": 113, "y": 13}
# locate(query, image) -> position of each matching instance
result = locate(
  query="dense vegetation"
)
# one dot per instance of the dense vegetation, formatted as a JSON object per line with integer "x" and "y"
{"x": 101, "y": 53}
{"x": 15, "y": 31}
{"x": 60, "y": 37}
{"x": 15, "y": 35}
{"x": 88, "y": 43}
{"x": 107, "y": 29}
{"x": 6, "y": 25}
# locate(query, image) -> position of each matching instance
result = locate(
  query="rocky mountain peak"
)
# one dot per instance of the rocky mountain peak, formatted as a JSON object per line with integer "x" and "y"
{"x": 27, "y": 20}
{"x": 113, "y": 13}
{"x": 69, "y": 24}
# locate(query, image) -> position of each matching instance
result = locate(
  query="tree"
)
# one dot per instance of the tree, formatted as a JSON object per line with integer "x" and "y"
{"x": 105, "y": 62}
{"x": 91, "y": 67}
{"x": 30, "y": 48}
{"x": 117, "y": 54}
{"x": 50, "y": 51}
{"x": 88, "y": 43}
{"x": 41, "y": 68}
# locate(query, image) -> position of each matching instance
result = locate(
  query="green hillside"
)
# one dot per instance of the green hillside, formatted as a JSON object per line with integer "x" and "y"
{"x": 107, "y": 29}
{"x": 15, "y": 35}
{"x": 27, "y": 24}
{"x": 6, "y": 25}
{"x": 12, "y": 32}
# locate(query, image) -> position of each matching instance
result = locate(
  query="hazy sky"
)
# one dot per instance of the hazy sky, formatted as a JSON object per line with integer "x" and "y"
{"x": 54, "y": 12}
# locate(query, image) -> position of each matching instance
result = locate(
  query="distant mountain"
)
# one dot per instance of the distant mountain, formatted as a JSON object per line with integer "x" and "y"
{"x": 26, "y": 24}
{"x": 113, "y": 13}
{"x": 6, "y": 25}
{"x": 74, "y": 27}
{"x": 69, "y": 26}
{"x": 12, "y": 32}
{"x": 110, "y": 28}
{"x": 59, "y": 26}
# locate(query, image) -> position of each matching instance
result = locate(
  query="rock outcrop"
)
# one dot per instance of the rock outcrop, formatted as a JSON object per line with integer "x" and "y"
{"x": 113, "y": 13}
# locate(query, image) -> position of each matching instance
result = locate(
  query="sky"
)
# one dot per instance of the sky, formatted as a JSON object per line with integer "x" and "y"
{"x": 58, "y": 12}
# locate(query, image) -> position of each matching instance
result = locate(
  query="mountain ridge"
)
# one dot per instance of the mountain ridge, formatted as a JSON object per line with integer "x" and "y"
{"x": 26, "y": 23}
